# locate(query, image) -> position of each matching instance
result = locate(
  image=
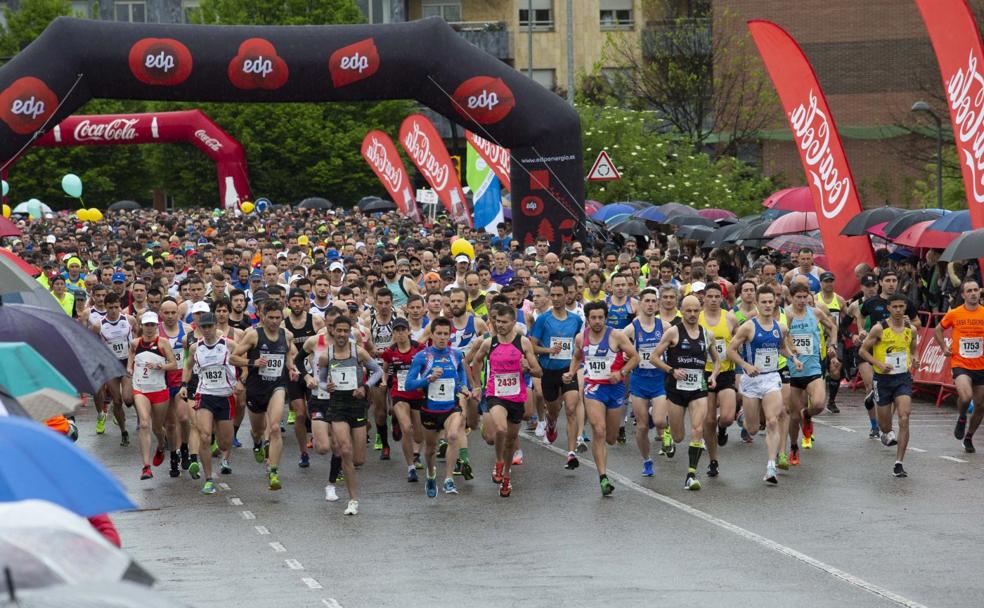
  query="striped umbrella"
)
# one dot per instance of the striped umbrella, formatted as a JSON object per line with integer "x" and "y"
{"x": 792, "y": 243}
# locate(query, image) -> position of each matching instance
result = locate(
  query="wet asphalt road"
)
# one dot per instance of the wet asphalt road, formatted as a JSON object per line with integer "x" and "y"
{"x": 839, "y": 530}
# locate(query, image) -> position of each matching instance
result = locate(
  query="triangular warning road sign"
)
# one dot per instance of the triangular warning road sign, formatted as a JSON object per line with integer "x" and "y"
{"x": 603, "y": 169}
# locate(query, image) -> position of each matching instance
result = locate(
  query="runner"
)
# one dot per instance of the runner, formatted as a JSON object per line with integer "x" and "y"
{"x": 835, "y": 305}
{"x": 148, "y": 360}
{"x": 406, "y": 404}
{"x": 302, "y": 325}
{"x": 721, "y": 396}
{"x": 647, "y": 391}
{"x": 966, "y": 353}
{"x": 116, "y": 331}
{"x": 179, "y": 419}
{"x": 465, "y": 328}
{"x": 380, "y": 320}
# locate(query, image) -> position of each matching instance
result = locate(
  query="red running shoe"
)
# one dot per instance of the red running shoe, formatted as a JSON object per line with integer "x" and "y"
{"x": 497, "y": 472}
{"x": 807, "y": 429}
{"x": 146, "y": 473}
{"x": 506, "y": 488}
{"x": 158, "y": 457}
{"x": 551, "y": 432}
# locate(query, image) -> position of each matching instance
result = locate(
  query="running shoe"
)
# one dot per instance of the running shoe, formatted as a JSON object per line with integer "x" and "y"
{"x": 506, "y": 488}
{"x": 397, "y": 431}
{"x": 158, "y": 457}
{"x": 283, "y": 428}
{"x": 353, "y": 508}
{"x": 305, "y": 460}
{"x": 572, "y": 462}
{"x": 291, "y": 417}
{"x": 378, "y": 444}
{"x": 771, "y": 475}
{"x": 416, "y": 462}
{"x": 466, "y": 470}
{"x": 806, "y": 442}
{"x": 194, "y": 469}
{"x": 647, "y": 468}
{"x": 783, "y": 461}
{"x": 209, "y": 487}
{"x": 274, "y": 477}
{"x": 457, "y": 468}
{"x": 712, "y": 469}
{"x": 832, "y": 408}
{"x": 185, "y": 458}
{"x": 808, "y": 429}
{"x": 412, "y": 475}
{"x": 581, "y": 446}
{"x": 236, "y": 443}
{"x": 745, "y": 436}
{"x": 722, "y": 436}
{"x": 875, "y": 433}
{"x": 331, "y": 495}
{"x": 532, "y": 423}
{"x": 670, "y": 449}
{"x": 146, "y": 473}
{"x": 541, "y": 428}
{"x": 551, "y": 433}
{"x": 449, "y": 487}
{"x": 958, "y": 431}
{"x": 175, "y": 465}
{"x": 898, "y": 471}
{"x": 692, "y": 483}
{"x": 225, "y": 468}
{"x": 215, "y": 448}
{"x": 124, "y": 439}
{"x": 621, "y": 435}
{"x": 100, "y": 424}
{"x": 497, "y": 472}
{"x": 968, "y": 444}
{"x": 794, "y": 457}
{"x": 442, "y": 449}
{"x": 517, "y": 458}
{"x": 259, "y": 453}
{"x": 430, "y": 486}
{"x": 385, "y": 454}
{"x": 607, "y": 487}
{"x": 888, "y": 439}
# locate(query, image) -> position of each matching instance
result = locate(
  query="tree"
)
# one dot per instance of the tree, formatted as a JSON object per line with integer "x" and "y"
{"x": 954, "y": 195}
{"x": 28, "y": 21}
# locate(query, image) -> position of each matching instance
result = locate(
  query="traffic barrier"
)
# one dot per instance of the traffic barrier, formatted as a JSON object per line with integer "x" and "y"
{"x": 932, "y": 371}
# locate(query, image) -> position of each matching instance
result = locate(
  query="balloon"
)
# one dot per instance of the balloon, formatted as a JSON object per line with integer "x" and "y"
{"x": 95, "y": 215}
{"x": 247, "y": 207}
{"x": 462, "y": 246}
{"x": 72, "y": 185}
{"x": 6, "y": 187}
{"x": 6, "y": 210}
{"x": 262, "y": 205}
{"x": 34, "y": 208}
{"x": 82, "y": 215}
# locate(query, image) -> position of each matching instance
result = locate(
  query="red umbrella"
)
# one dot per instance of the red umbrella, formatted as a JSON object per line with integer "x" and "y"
{"x": 920, "y": 235}
{"x": 877, "y": 230}
{"x": 591, "y": 206}
{"x": 717, "y": 214}
{"x": 20, "y": 263}
{"x": 791, "y": 199}
{"x": 793, "y": 223}
{"x": 8, "y": 228}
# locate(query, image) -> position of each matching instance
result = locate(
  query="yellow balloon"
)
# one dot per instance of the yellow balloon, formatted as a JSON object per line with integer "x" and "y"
{"x": 460, "y": 246}
{"x": 247, "y": 207}
{"x": 95, "y": 215}
{"x": 83, "y": 215}
{"x": 6, "y": 210}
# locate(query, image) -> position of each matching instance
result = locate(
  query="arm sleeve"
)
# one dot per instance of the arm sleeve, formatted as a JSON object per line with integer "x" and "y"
{"x": 462, "y": 375}
{"x": 299, "y": 359}
{"x": 414, "y": 381}
{"x": 375, "y": 372}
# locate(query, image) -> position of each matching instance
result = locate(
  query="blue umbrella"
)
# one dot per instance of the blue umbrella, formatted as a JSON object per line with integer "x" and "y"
{"x": 650, "y": 214}
{"x": 39, "y": 463}
{"x": 958, "y": 221}
{"x": 23, "y": 370}
{"x": 609, "y": 210}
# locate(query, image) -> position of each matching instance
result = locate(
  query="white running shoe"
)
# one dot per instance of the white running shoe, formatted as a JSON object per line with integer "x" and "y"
{"x": 330, "y": 494}
{"x": 353, "y": 508}
{"x": 541, "y": 428}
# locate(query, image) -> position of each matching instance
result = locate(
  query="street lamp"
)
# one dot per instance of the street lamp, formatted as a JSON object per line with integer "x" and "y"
{"x": 922, "y": 106}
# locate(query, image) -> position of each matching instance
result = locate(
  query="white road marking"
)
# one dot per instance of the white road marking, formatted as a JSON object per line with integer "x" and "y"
{"x": 248, "y": 515}
{"x": 262, "y": 530}
{"x": 279, "y": 548}
{"x": 331, "y": 602}
{"x": 235, "y": 501}
{"x": 223, "y": 486}
{"x": 834, "y": 426}
{"x": 920, "y": 450}
{"x": 952, "y": 459}
{"x": 747, "y": 534}
{"x": 293, "y": 564}
{"x": 311, "y": 583}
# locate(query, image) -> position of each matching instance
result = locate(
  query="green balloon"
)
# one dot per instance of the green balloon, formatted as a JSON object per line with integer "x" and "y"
{"x": 72, "y": 185}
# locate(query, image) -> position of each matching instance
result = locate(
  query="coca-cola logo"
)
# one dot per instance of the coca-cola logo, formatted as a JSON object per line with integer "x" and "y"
{"x": 965, "y": 93}
{"x": 257, "y": 66}
{"x": 418, "y": 145}
{"x": 531, "y": 206}
{"x": 160, "y": 61}
{"x": 932, "y": 357}
{"x": 377, "y": 155}
{"x": 812, "y": 131}
{"x": 120, "y": 129}
{"x": 353, "y": 63}
{"x": 26, "y": 104}
{"x": 484, "y": 99}
{"x": 209, "y": 141}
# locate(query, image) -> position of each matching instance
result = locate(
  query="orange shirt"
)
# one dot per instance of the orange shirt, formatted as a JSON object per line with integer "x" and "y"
{"x": 967, "y": 339}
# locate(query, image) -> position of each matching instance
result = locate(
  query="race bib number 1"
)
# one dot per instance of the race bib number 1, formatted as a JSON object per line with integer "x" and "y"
{"x": 897, "y": 362}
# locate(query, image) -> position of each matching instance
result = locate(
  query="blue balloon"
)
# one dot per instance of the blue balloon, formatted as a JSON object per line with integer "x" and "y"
{"x": 261, "y": 205}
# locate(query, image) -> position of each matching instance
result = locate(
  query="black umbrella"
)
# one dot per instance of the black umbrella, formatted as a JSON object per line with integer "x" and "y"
{"x": 716, "y": 238}
{"x": 314, "y": 202}
{"x": 967, "y": 246}
{"x": 677, "y": 209}
{"x": 755, "y": 231}
{"x": 905, "y": 221}
{"x": 695, "y": 233}
{"x": 870, "y": 217}
{"x": 379, "y": 205}
{"x": 691, "y": 220}
{"x": 366, "y": 200}
{"x": 631, "y": 228}
{"x": 76, "y": 352}
{"x": 124, "y": 205}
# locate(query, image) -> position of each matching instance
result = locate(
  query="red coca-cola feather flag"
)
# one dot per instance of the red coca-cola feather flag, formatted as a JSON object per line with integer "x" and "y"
{"x": 381, "y": 154}
{"x": 828, "y": 174}
{"x": 424, "y": 146}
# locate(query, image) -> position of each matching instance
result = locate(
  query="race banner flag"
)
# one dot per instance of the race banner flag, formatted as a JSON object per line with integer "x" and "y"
{"x": 824, "y": 162}
{"x": 426, "y": 149}
{"x": 486, "y": 191}
{"x": 494, "y": 155}
{"x": 381, "y": 154}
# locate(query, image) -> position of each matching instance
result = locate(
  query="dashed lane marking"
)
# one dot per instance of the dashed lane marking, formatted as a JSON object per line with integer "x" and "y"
{"x": 279, "y": 548}
{"x": 312, "y": 583}
{"x": 952, "y": 459}
{"x": 331, "y": 602}
{"x": 235, "y": 501}
{"x": 261, "y": 530}
{"x": 293, "y": 564}
{"x": 248, "y": 515}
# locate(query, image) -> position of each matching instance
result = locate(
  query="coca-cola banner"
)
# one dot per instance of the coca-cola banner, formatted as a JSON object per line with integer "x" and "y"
{"x": 381, "y": 154}
{"x": 494, "y": 155}
{"x": 828, "y": 174}
{"x": 424, "y": 146}
{"x": 190, "y": 126}
{"x": 74, "y": 60}
{"x": 932, "y": 366}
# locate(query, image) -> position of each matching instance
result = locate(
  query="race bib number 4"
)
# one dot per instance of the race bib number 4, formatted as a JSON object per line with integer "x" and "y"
{"x": 441, "y": 390}
{"x": 274, "y": 367}
{"x": 767, "y": 359}
{"x": 566, "y": 348}
{"x": 506, "y": 385}
{"x": 970, "y": 348}
{"x": 693, "y": 380}
{"x": 803, "y": 343}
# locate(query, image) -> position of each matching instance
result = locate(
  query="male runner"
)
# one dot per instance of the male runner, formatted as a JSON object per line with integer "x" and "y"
{"x": 321, "y": 301}
{"x": 406, "y": 404}
{"x": 966, "y": 354}
{"x": 380, "y": 320}
{"x": 836, "y": 306}
{"x": 116, "y": 331}
{"x": 720, "y": 324}
{"x": 647, "y": 391}
{"x": 302, "y": 325}
{"x": 465, "y": 328}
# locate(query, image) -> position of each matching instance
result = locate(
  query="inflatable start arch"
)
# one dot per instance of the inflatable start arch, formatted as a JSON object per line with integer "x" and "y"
{"x": 75, "y": 60}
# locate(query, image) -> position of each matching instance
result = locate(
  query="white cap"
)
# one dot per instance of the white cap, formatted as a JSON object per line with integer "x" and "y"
{"x": 149, "y": 317}
{"x": 295, "y": 277}
{"x": 531, "y": 250}
{"x": 51, "y": 239}
{"x": 462, "y": 258}
{"x": 336, "y": 266}
{"x": 697, "y": 286}
{"x": 200, "y": 307}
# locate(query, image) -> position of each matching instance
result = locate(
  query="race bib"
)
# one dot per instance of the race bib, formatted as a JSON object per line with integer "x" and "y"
{"x": 441, "y": 390}
{"x": 693, "y": 380}
{"x": 345, "y": 378}
{"x": 566, "y": 348}
{"x": 213, "y": 378}
{"x": 803, "y": 343}
{"x": 898, "y": 363}
{"x": 120, "y": 349}
{"x": 148, "y": 380}
{"x": 401, "y": 380}
{"x": 767, "y": 359}
{"x": 321, "y": 394}
{"x": 645, "y": 358}
{"x": 970, "y": 348}
{"x": 720, "y": 347}
{"x": 599, "y": 368}
{"x": 274, "y": 367}
{"x": 507, "y": 385}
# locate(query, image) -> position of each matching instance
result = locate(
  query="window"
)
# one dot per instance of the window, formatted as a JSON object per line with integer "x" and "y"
{"x": 542, "y": 14}
{"x": 449, "y": 10}
{"x": 134, "y": 12}
{"x": 81, "y": 9}
{"x": 616, "y": 14}
{"x": 3, "y": 14}
{"x": 381, "y": 11}
{"x": 547, "y": 78}
{"x": 188, "y": 8}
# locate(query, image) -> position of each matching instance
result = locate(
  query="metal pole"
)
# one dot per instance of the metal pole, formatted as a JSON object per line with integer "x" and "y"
{"x": 529, "y": 38}
{"x": 570, "y": 52}
{"x": 939, "y": 162}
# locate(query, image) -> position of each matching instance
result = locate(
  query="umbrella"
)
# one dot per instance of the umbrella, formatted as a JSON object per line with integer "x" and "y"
{"x": 9, "y": 406}
{"x": 791, "y": 199}
{"x": 617, "y": 218}
{"x": 44, "y": 544}
{"x": 365, "y": 200}
{"x": 958, "y": 221}
{"x": 792, "y": 243}
{"x": 124, "y": 206}
{"x": 68, "y": 346}
{"x": 591, "y": 206}
{"x": 314, "y": 202}
{"x": 717, "y": 214}
{"x": 677, "y": 209}
{"x": 631, "y": 228}
{"x": 8, "y": 228}
{"x": 12, "y": 278}
{"x": 877, "y": 230}
{"x": 45, "y": 403}
{"x": 695, "y": 233}
{"x": 609, "y": 210}
{"x": 967, "y": 246}
{"x": 39, "y": 297}
{"x": 716, "y": 238}
{"x": 9, "y": 257}
{"x": 91, "y": 595}
{"x": 650, "y": 214}
{"x": 22, "y": 209}
{"x": 691, "y": 220}
{"x": 380, "y": 205}
{"x": 868, "y": 218}
{"x": 754, "y": 231}
{"x": 922, "y": 235}
{"x": 899, "y": 225}
{"x": 793, "y": 223}
{"x": 23, "y": 370}
{"x": 39, "y": 463}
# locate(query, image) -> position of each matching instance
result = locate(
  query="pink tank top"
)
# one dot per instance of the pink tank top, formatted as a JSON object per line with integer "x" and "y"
{"x": 506, "y": 379}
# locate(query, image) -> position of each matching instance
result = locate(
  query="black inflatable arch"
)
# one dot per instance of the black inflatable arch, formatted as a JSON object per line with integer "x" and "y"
{"x": 75, "y": 60}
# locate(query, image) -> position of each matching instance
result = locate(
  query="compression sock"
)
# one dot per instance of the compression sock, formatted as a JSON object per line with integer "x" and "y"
{"x": 193, "y": 458}
{"x": 694, "y": 452}
{"x": 602, "y": 478}
{"x": 869, "y": 401}
{"x": 235, "y": 431}
{"x": 463, "y": 454}
{"x": 381, "y": 432}
{"x": 832, "y": 387}
{"x": 336, "y": 466}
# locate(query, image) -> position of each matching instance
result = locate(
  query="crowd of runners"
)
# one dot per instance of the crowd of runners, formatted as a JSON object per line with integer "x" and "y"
{"x": 353, "y": 333}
